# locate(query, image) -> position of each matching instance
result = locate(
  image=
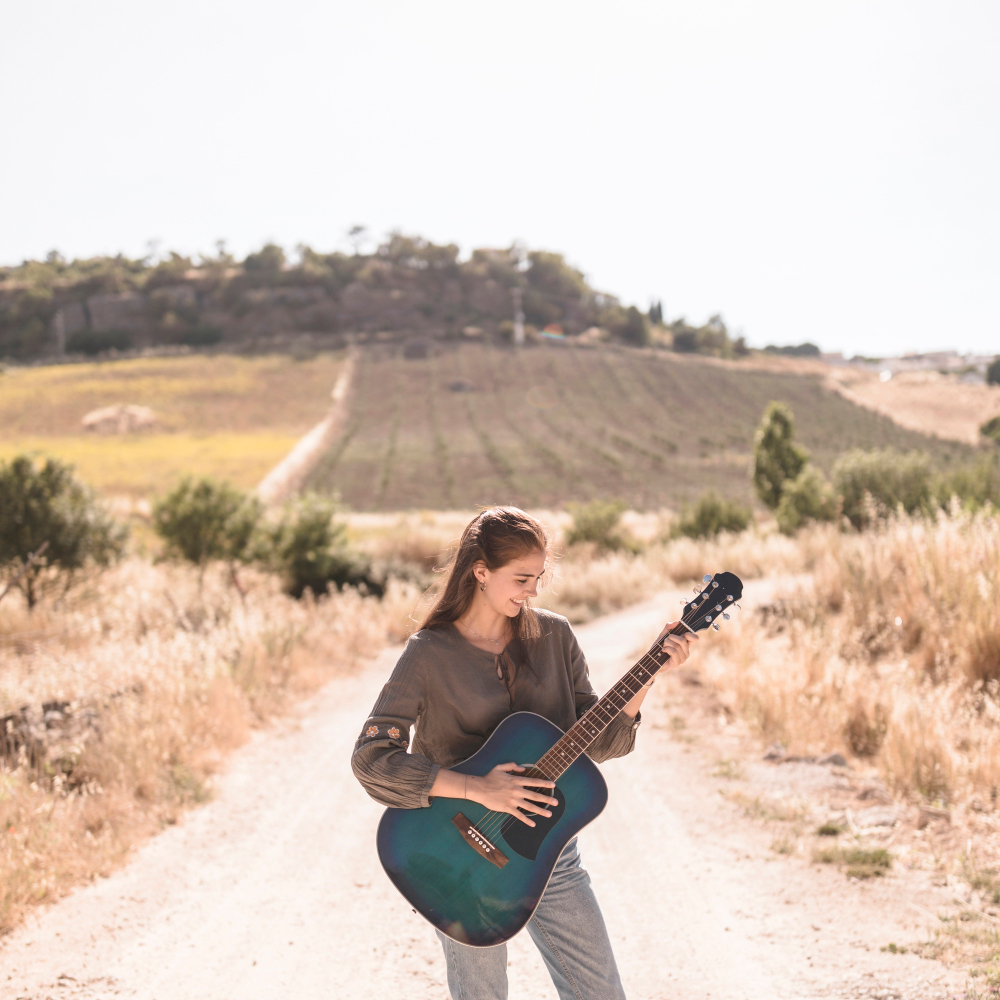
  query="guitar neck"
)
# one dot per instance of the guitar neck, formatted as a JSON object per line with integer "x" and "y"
{"x": 596, "y": 719}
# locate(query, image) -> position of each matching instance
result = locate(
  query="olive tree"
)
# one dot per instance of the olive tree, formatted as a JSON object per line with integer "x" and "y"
{"x": 51, "y": 526}
{"x": 203, "y": 521}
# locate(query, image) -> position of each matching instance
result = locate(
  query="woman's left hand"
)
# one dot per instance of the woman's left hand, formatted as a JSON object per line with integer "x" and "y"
{"x": 677, "y": 646}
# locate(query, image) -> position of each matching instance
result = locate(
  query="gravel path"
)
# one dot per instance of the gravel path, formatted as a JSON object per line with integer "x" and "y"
{"x": 274, "y": 888}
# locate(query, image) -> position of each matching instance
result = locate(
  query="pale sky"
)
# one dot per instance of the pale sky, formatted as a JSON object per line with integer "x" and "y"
{"x": 822, "y": 171}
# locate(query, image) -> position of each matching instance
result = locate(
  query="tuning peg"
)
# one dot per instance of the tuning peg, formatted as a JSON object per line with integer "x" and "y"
{"x": 714, "y": 585}
{"x": 706, "y": 578}
{"x": 716, "y": 626}
{"x": 696, "y": 589}
{"x": 729, "y": 597}
{"x": 726, "y": 617}
{"x": 683, "y": 600}
{"x": 708, "y": 618}
{"x": 718, "y": 607}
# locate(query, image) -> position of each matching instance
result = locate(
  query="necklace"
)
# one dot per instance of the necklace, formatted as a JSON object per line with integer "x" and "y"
{"x": 480, "y": 635}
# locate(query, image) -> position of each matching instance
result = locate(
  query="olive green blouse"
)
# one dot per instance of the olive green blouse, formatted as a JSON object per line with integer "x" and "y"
{"x": 450, "y": 692}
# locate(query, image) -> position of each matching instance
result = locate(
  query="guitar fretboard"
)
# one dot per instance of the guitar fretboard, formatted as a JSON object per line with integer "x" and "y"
{"x": 596, "y": 719}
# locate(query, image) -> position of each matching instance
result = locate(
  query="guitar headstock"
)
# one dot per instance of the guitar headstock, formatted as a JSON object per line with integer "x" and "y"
{"x": 712, "y": 604}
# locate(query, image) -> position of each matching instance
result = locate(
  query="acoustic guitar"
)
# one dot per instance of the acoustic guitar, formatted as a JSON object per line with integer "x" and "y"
{"x": 478, "y": 875}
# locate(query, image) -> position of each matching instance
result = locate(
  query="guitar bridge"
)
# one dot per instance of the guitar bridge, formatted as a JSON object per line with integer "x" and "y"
{"x": 478, "y": 842}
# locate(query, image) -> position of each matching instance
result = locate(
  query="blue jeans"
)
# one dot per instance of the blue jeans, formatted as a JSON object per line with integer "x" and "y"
{"x": 567, "y": 929}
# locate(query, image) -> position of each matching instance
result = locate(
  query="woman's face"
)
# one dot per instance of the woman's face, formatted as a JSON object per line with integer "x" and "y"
{"x": 508, "y": 587}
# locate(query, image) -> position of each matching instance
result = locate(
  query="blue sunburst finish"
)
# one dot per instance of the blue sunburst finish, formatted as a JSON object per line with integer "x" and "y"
{"x": 459, "y": 891}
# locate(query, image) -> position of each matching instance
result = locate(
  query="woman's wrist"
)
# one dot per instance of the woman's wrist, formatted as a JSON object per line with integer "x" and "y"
{"x": 471, "y": 787}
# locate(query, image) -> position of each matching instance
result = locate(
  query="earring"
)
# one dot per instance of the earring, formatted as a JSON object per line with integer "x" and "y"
{"x": 482, "y": 585}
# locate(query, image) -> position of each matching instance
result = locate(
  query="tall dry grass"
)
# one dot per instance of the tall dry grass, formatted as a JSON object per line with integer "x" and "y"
{"x": 582, "y": 581}
{"x": 893, "y": 655}
{"x": 148, "y": 682}
{"x": 586, "y": 583}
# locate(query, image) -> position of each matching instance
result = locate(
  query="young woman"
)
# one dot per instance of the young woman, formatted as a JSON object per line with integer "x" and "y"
{"x": 481, "y": 654}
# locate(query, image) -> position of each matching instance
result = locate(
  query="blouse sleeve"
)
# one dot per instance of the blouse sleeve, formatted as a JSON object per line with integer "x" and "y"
{"x": 380, "y": 760}
{"x": 619, "y": 737}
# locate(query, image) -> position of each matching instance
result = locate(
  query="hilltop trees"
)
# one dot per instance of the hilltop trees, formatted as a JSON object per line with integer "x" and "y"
{"x": 407, "y": 285}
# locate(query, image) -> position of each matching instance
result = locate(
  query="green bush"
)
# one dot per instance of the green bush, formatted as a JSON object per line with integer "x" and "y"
{"x": 46, "y": 503}
{"x": 309, "y": 548}
{"x": 991, "y": 429}
{"x": 808, "y": 497}
{"x": 635, "y": 329}
{"x": 712, "y": 514}
{"x": 993, "y": 372}
{"x": 203, "y": 520}
{"x": 599, "y": 522}
{"x": 98, "y": 341}
{"x": 201, "y": 336}
{"x": 975, "y": 485}
{"x": 777, "y": 458}
{"x": 874, "y": 483}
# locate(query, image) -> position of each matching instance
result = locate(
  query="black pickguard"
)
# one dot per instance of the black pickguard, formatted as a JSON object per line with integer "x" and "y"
{"x": 526, "y": 840}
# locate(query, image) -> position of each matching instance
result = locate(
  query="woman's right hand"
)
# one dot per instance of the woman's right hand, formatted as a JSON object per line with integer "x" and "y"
{"x": 504, "y": 790}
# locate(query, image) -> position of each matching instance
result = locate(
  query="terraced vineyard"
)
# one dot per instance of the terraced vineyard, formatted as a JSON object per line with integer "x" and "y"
{"x": 476, "y": 424}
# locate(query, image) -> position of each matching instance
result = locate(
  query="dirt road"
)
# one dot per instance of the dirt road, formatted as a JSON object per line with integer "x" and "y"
{"x": 274, "y": 888}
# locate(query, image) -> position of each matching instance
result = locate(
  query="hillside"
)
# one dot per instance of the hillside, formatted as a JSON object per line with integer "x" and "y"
{"x": 473, "y": 424}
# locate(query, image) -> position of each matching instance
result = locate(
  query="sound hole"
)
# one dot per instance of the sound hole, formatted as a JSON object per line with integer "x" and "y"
{"x": 526, "y": 840}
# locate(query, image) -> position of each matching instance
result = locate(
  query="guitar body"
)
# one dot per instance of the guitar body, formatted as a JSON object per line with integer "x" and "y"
{"x": 461, "y": 892}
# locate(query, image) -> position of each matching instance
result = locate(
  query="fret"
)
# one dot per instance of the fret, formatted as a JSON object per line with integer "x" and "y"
{"x": 602, "y": 713}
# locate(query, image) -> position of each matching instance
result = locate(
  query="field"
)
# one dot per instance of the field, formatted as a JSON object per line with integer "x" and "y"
{"x": 475, "y": 424}
{"x": 226, "y": 416}
{"x": 926, "y": 401}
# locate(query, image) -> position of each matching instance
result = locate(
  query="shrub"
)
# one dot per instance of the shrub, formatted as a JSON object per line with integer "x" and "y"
{"x": 710, "y": 515}
{"x": 777, "y": 458}
{"x": 808, "y": 497}
{"x": 993, "y": 372}
{"x": 598, "y": 522}
{"x": 804, "y": 350}
{"x": 975, "y": 485}
{"x": 865, "y": 731}
{"x": 873, "y": 483}
{"x": 309, "y": 548}
{"x": 204, "y": 520}
{"x": 201, "y": 336}
{"x": 991, "y": 429}
{"x": 98, "y": 341}
{"x": 46, "y": 503}
{"x": 635, "y": 329}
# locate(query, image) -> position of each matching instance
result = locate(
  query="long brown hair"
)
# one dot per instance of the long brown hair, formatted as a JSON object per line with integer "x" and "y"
{"x": 497, "y": 536}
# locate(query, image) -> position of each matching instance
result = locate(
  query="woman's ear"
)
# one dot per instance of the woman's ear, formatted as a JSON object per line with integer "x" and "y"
{"x": 479, "y": 571}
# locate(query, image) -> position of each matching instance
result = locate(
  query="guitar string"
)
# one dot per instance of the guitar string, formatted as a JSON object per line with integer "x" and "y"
{"x": 493, "y": 821}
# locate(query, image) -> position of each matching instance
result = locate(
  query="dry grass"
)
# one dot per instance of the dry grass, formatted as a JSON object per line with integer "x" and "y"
{"x": 586, "y": 583}
{"x": 583, "y": 582}
{"x": 161, "y": 682}
{"x": 928, "y": 402}
{"x": 893, "y": 656}
{"x": 138, "y": 466}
